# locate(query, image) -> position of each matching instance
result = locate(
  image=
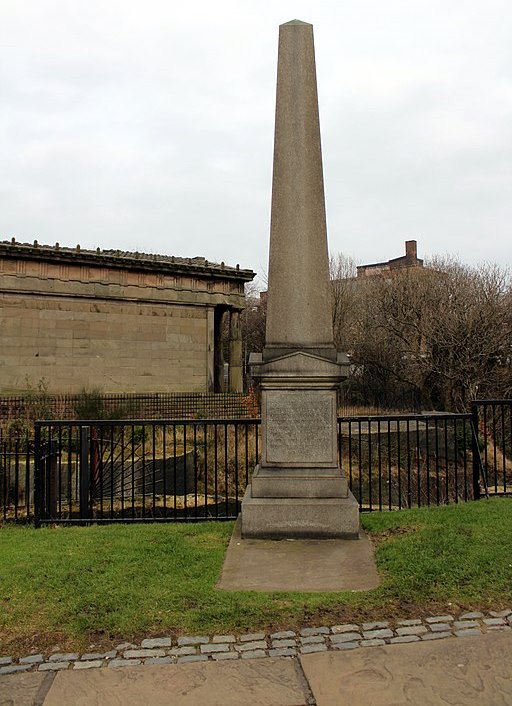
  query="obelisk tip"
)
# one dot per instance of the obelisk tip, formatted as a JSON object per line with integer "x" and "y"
{"x": 296, "y": 22}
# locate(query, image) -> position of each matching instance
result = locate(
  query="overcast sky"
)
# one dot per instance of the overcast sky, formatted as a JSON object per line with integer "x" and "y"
{"x": 149, "y": 125}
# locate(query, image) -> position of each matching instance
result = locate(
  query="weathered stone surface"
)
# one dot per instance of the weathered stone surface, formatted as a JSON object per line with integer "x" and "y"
{"x": 185, "y": 650}
{"x": 14, "y": 668}
{"x": 474, "y": 615}
{"x": 299, "y": 369}
{"x": 154, "y": 642}
{"x": 347, "y": 627}
{"x": 63, "y": 657}
{"x": 192, "y": 658}
{"x": 296, "y": 482}
{"x": 404, "y": 638}
{"x": 299, "y": 429}
{"x": 494, "y": 621}
{"x": 297, "y": 315}
{"x": 315, "y": 518}
{"x": 87, "y": 656}
{"x": 376, "y": 634}
{"x": 226, "y": 655}
{"x": 440, "y": 627}
{"x": 283, "y": 643}
{"x": 318, "y": 647}
{"x": 223, "y": 638}
{"x": 5, "y": 660}
{"x": 112, "y": 325}
{"x": 312, "y": 639}
{"x": 251, "y": 682}
{"x": 411, "y": 630}
{"x": 462, "y": 672}
{"x": 21, "y": 688}
{"x": 436, "y": 635}
{"x": 468, "y": 632}
{"x": 124, "y": 663}
{"x": 253, "y": 654}
{"x": 406, "y": 623}
{"x": 464, "y": 624}
{"x": 298, "y": 565}
{"x": 139, "y": 654}
{"x": 193, "y": 640}
{"x": 32, "y": 659}
{"x": 345, "y": 637}
{"x": 372, "y": 643}
{"x": 284, "y": 634}
{"x": 346, "y": 645}
{"x": 255, "y": 645}
{"x": 160, "y": 660}
{"x": 282, "y": 652}
{"x": 209, "y": 649}
{"x": 252, "y": 636}
{"x": 322, "y": 630}
{"x": 52, "y": 666}
{"x": 90, "y": 664}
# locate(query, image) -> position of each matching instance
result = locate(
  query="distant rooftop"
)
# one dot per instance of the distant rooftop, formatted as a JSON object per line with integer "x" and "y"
{"x": 410, "y": 259}
{"x": 122, "y": 258}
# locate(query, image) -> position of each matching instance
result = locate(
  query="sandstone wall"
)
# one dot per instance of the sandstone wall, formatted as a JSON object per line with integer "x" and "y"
{"x": 119, "y": 330}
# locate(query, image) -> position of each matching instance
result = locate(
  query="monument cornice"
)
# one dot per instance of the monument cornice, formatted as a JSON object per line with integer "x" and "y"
{"x": 118, "y": 259}
{"x": 299, "y": 367}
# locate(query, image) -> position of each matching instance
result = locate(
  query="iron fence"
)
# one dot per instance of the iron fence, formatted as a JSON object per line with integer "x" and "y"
{"x": 16, "y": 476}
{"x": 153, "y": 405}
{"x": 162, "y": 470}
{"x": 404, "y": 461}
{"x": 181, "y": 470}
{"x": 493, "y": 421}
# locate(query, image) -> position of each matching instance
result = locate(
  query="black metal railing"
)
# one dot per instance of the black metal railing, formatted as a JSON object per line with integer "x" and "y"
{"x": 16, "y": 476}
{"x": 493, "y": 421}
{"x": 180, "y": 470}
{"x": 404, "y": 461}
{"x": 164, "y": 470}
{"x": 152, "y": 405}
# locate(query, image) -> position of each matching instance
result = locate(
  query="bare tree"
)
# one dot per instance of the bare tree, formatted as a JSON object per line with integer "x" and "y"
{"x": 253, "y": 321}
{"x": 345, "y": 300}
{"x": 443, "y": 333}
{"x": 433, "y": 337}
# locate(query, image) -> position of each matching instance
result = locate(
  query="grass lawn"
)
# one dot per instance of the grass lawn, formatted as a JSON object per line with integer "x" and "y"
{"x": 83, "y": 586}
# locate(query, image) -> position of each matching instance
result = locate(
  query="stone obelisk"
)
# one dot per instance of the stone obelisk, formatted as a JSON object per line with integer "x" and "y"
{"x": 298, "y": 489}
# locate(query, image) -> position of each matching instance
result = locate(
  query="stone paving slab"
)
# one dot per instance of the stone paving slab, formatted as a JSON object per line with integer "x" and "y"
{"x": 266, "y": 682}
{"x": 22, "y": 689}
{"x": 473, "y": 672}
{"x": 298, "y": 565}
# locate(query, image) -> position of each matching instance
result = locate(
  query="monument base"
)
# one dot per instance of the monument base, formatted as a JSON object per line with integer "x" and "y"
{"x": 298, "y": 483}
{"x": 299, "y": 518}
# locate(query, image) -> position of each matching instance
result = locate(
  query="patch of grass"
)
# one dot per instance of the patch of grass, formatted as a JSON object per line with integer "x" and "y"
{"x": 77, "y": 586}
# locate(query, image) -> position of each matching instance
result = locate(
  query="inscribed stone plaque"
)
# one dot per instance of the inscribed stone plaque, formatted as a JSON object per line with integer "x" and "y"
{"x": 299, "y": 427}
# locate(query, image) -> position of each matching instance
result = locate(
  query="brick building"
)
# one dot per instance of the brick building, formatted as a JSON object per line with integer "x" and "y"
{"x": 382, "y": 269}
{"x": 117, "y": 321}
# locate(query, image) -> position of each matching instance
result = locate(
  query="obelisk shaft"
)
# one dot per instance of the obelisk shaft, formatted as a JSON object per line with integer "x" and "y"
{"x": 298, "y": 489}
{"x": 299, "y": 296}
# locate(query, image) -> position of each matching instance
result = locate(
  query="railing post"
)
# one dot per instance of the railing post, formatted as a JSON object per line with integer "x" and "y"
{"x": 51, "y": 469}
{"x": 85, "y": 441}
{"x": 475, "y": 450}
{"x": 37, "y": 475}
